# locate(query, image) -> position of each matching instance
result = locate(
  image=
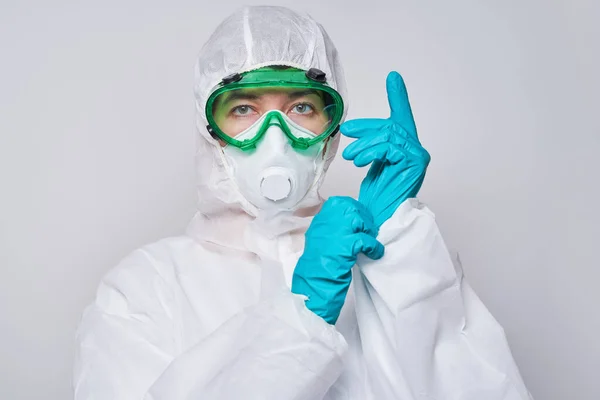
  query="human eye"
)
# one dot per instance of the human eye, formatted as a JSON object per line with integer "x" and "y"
{"x": 302, "y": 109}
{"x": 242, "y": 110}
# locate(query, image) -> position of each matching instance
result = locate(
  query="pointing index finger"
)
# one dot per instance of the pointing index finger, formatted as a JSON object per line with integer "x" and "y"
{"x": 399, "y": 103}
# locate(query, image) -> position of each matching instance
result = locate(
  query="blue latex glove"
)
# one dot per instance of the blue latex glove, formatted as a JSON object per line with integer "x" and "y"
{"x": 338, "y": 233}
{"x": 399, "y": 162}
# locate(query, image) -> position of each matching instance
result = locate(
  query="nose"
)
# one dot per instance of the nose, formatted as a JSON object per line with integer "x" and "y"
{"x": 276, "y": 139}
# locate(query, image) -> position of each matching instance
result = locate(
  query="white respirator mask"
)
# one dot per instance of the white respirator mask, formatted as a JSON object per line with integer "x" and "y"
{"x": 274, "y": 175}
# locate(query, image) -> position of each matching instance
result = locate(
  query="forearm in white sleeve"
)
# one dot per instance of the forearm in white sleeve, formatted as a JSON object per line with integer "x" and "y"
{"x": 424, "y": 332}
{"x": 275, "y": 350}
{"x": 128, "y": 347}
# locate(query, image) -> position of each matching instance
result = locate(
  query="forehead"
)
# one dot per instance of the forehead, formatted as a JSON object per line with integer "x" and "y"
{"x": 267, "y": 93}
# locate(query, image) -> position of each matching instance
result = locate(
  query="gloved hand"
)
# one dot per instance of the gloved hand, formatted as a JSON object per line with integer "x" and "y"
{"x": 399, "y": 162}
{"x": 338, "y": 233}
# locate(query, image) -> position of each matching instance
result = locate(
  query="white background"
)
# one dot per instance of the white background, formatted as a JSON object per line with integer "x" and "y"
{"x": 97, "y": 145}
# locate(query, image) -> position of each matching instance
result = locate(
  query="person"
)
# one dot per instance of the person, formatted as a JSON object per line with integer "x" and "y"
{"x": 273, "y": 293}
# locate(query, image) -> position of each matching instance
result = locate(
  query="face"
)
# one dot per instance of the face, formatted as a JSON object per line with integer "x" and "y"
{"x": 236, "y": 111}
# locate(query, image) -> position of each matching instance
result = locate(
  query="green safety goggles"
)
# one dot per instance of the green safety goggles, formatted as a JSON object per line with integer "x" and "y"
{"x": 245, "y": 105}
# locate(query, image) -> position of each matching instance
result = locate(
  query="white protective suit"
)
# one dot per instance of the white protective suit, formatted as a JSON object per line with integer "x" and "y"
{"x": 210, "y": 315}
